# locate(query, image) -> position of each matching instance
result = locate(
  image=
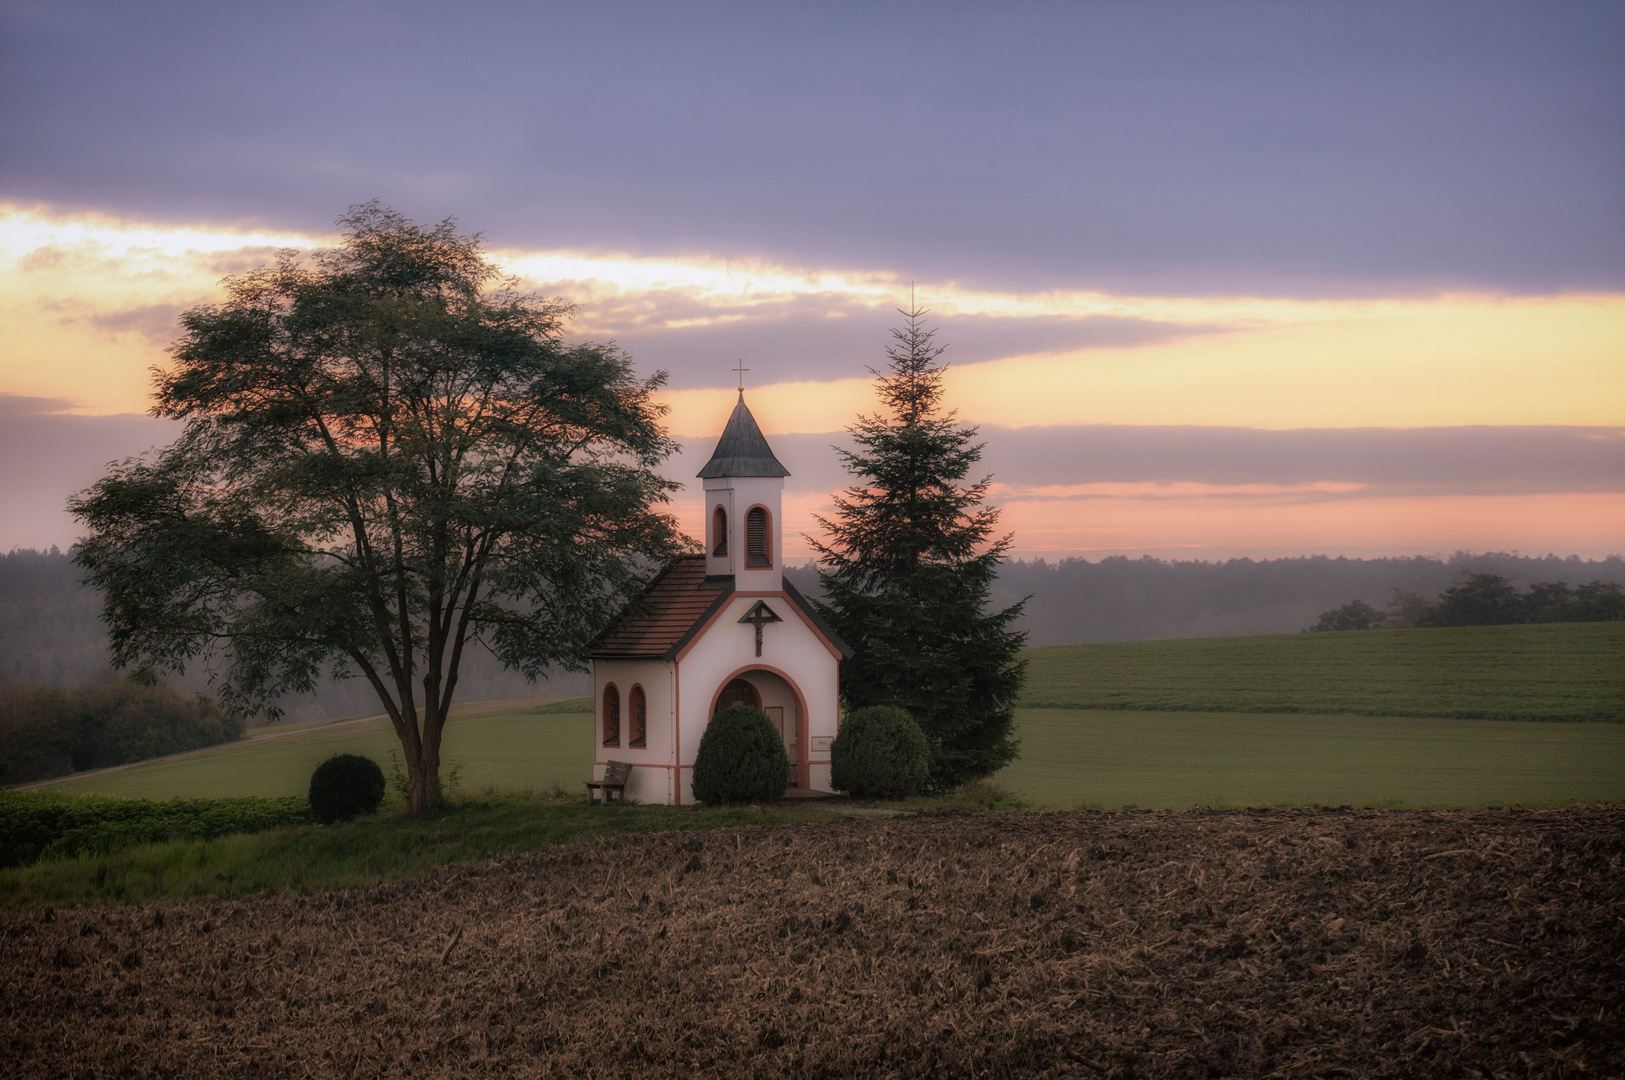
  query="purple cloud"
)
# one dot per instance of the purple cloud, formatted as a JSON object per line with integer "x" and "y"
{"x": 1174, "y": 146}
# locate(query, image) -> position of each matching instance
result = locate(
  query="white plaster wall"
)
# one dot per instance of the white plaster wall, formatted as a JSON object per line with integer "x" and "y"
{"x": 820, "y": 776}
{"x": 651, "y": 780}
{"x": 791, "y": 648}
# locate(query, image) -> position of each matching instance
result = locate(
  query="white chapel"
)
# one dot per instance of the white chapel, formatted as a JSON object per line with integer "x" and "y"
{"x": 717, "y": 628}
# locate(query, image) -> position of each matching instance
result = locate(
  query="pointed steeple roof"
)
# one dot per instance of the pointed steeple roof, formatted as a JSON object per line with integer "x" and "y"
{"x": 742, "y": 450}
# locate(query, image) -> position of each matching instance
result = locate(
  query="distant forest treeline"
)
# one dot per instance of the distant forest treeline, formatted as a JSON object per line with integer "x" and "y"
{"x": 1485, "y": 600}
{"x": 48, "y": 731}
{"x": 51, "y": 634}
{"x": 1119, "y": 599}
{"x": 50, "y": 631}
{"x": 1075, "y": 601}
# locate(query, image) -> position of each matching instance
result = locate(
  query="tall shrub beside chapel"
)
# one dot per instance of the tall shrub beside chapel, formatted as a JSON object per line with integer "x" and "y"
{"x": 906, "y": 565}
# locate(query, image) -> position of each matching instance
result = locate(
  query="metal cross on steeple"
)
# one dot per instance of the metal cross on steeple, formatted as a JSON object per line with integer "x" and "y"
{"x": 742, "y": 369}
{"x": 759, "y": 616}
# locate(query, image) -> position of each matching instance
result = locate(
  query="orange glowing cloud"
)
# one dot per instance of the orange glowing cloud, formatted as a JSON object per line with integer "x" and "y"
{"x": 1447, "y": 361}
{"x": 88, "y": 304}
{"x": 1230, "y": 522}
{"x": 1207, "y": 526}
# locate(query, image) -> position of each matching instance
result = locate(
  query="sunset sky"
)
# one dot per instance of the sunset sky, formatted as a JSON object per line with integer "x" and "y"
{"x": 1216, "y": 279}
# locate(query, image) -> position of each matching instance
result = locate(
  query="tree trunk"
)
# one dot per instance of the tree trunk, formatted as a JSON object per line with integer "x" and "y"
{"x": 424, "y": 774}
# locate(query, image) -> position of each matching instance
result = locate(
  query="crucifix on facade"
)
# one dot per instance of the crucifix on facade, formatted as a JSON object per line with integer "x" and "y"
{"x": 759, "y": 616}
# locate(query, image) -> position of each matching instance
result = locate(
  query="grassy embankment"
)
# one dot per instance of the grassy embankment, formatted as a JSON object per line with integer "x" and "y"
{"x": 391, "y": 845}
{"x": 386, "y": 846}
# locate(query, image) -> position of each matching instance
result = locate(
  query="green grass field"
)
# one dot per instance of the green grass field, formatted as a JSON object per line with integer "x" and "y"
{"x": 1069, "y": 757}
{"x": 1114, "y": 758}
{"x": 509, "y": 746}
{"x": 1561, "y": 671}
{"x": 1221, "y": 721}
{"x": 1254, "y": 726}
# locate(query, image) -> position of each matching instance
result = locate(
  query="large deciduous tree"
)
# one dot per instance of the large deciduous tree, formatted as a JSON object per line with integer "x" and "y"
{"x": 906, "y": 567}
{"x": 389, "y": 455}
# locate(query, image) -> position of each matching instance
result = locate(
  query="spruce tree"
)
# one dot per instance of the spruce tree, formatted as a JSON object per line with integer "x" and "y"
{"x": 906, "y": 566}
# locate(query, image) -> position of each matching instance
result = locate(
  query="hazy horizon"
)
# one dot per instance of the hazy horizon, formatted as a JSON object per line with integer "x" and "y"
{"x": 1252, "y": 281}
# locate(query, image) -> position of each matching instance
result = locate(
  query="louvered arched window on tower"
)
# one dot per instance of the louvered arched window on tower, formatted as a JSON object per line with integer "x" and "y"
{"x": 756, "y": 550}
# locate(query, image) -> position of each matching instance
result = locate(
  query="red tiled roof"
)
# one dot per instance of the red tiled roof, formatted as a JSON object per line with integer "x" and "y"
{"x": 671, "y": 609}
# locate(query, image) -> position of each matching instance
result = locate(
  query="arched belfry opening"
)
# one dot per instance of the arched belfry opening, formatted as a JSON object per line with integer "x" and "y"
{"x": 719, "y": 533}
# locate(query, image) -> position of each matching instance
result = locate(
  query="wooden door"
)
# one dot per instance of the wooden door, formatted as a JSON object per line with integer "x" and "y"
{"x": 789, "y": 733}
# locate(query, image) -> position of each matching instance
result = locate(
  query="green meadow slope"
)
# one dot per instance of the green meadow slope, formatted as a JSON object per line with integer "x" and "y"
{"x": 1558, "y": 671}
{"x": 1069, "y": 757}
{"x": 507, "y": 745}
{"x": 1169, "y": 760}
{"x": 1438, "y": 722}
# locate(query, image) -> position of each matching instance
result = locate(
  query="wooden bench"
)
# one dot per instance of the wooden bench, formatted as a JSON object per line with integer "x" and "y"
{"x": 613, "y": 785}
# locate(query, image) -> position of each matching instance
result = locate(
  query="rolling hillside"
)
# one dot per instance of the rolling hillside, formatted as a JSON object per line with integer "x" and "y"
{"x": 1153, "y": 723}
{"x": 1555, "y": 671}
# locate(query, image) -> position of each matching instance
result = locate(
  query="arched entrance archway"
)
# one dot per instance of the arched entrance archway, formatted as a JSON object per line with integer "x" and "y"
{"x": 774, "y": 694}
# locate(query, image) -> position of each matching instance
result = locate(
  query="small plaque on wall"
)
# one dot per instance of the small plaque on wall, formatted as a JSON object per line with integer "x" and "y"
{"x": 820, "y": 743}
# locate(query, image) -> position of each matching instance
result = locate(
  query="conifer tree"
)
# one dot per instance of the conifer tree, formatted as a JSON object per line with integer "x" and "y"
{"x": 906, "y": 566}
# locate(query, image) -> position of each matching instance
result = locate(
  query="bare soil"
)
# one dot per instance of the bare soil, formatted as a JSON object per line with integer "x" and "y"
{"x": 1294, "y": 943}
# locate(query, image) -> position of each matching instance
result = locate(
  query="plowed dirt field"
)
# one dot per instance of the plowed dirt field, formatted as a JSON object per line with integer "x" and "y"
{"x": 1295, "y": 943}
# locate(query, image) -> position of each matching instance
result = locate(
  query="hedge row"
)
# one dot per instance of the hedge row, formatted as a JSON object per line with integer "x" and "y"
{"x": 37, "y": 824}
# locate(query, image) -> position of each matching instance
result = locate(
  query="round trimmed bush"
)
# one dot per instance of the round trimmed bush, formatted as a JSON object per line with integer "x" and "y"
{"x": 345, "y": 786}
{"x": 879, "y": 753}
{"x": 741, "y": 759}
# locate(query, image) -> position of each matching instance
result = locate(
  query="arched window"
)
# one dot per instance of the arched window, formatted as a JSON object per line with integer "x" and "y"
{"x": 719, "y": 532}
{"x": 638, "y": 707}
{"x": 612, "y": 716}
{"x": 756, "y": 552}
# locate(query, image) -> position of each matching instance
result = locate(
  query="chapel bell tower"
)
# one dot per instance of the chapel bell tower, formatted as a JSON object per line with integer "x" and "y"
{"x": 744, "y": 489}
